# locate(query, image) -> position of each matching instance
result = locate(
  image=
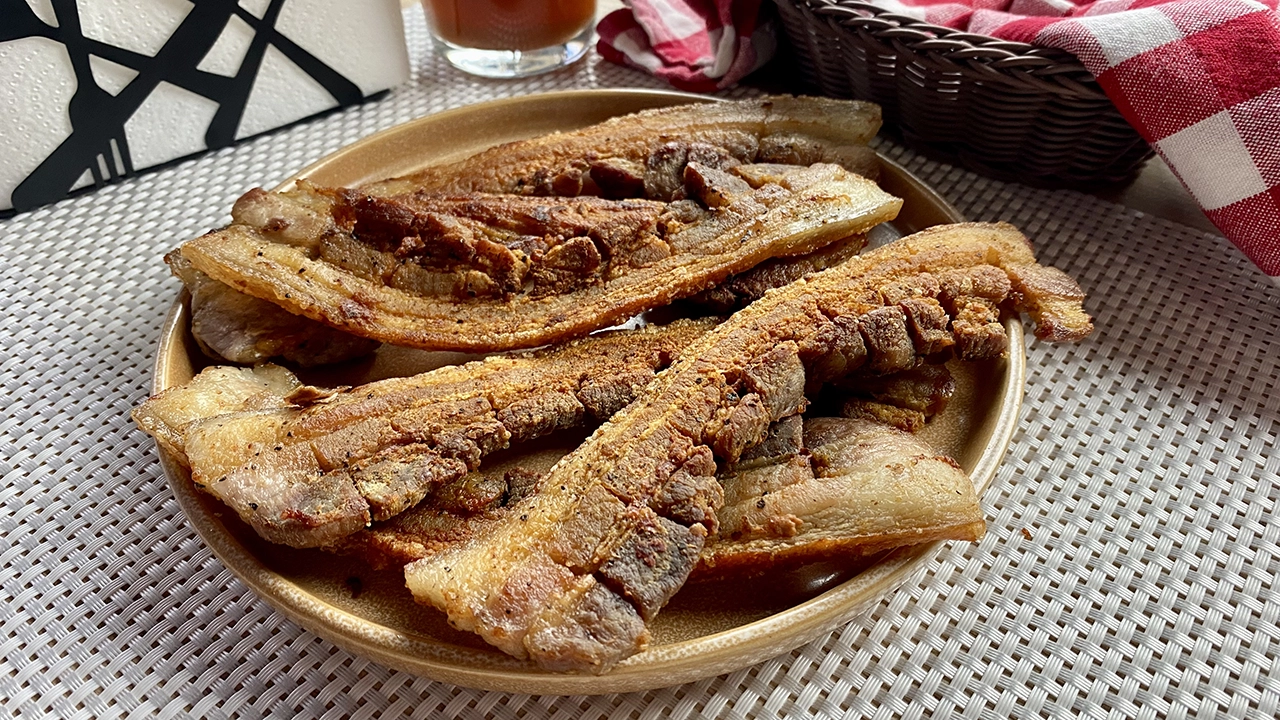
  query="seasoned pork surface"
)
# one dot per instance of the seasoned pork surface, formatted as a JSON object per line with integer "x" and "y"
{"x": 821, "y": 489}
{"x": 647, "y": 208}
{"x": 644, "y": 154}
{"x": 441, "y": 520}
{"x": 495, "y": 272}
{"x": 307, "y": 467}
{"x": 905, "y": 400}
{"x": 229, "y": 325}
{"x": 215, "y": 391}
{"x": 569, "y": 579}
{"x": 743, "y": 289}
{"x": 849, "y": 488}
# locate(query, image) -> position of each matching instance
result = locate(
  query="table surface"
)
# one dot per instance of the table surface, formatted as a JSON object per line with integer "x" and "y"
{"x": 1129, "y": 568}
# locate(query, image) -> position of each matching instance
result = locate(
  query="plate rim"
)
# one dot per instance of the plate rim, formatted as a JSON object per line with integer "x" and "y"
{"x": 662, "y": 666}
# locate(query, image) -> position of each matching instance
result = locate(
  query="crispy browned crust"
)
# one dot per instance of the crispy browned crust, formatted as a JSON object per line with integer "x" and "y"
{"x": 440, "y": 273}
{"x": 859, "y": 488}
{"x": 440, "y": 521}
{"x": 905, "y": 400}
{"x": 408, "y": 260}
{"x": 873, "y": 488}
{"x": 242, "y": 329}
{"x": 596, "y": 520}
{"x": 744, "y": 289}
{"x": 779, "y": 129}
{"x": 310, "y": 468}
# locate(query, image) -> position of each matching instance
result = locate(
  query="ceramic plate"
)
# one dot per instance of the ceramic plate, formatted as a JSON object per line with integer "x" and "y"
{"x": 708, "y": 629}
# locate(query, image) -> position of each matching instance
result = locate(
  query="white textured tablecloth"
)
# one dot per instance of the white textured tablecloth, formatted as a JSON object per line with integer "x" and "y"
{"x": 1129, "y": 569}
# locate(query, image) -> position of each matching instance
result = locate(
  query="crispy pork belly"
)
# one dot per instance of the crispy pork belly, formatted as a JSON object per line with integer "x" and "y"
{"x": 905, "y": 400}
{"x": 215, "y": 391}
{"x": 744, "y": 289}
{"x": 570, "y": 577}
{"x": 852, "y": 488}
{"x": 496, "y": 272}
{"x": 229, "y": 325}
{"x": 459, "y": 510}
{"x": 813, "y": 490}
{"x": 306, "y": 467}
{"x": 645, "y": 154}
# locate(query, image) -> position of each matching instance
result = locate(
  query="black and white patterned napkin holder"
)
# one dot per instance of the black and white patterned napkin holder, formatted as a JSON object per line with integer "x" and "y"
{"x": 93, "y": 91}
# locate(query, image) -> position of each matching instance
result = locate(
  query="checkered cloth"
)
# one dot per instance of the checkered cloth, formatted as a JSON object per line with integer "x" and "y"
{"x": 696, "y": 45}
{"x": 1198, "y": 79}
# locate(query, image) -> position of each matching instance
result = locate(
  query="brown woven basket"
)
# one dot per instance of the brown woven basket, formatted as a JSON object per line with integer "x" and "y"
{"x": 1001, "y": 108}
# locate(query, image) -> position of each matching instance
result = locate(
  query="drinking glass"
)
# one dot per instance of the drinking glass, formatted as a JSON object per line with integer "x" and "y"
{"x": 510, "y": 38}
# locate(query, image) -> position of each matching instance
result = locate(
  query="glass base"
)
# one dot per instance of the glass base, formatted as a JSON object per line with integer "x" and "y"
{"x": 514, "y": 63}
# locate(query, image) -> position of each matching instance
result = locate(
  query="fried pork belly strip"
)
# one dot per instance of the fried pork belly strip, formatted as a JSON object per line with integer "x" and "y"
{"x": 905, "y": 400}
{"x": 613, "y": 530}
{"x": 458, "y": 511}
{"x": 862, "y": 488}
{"x": 242, "y": 329}
{"x": 306, "y": 467}
{"x": 484, "y": 273}
{"x": 643, "y": 154}
{"x": 215, "y": 391}
{"x": 744, "y": 289}
{"x": 837, "y": 489}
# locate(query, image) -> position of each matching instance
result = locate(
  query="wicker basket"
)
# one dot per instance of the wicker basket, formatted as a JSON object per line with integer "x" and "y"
{"x": 1001, "y": 108}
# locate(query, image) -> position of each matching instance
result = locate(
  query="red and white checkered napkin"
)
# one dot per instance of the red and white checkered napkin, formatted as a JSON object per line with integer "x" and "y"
{"x": 697, "y": 45}
{"x": 1198, "y": 79}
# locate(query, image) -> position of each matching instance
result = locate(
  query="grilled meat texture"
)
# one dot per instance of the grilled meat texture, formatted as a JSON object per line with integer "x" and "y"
{"x": 599, "y": 524}
{"x": 439, "y": 521}
{"x": 817, "y": 489}
{"x": 645, "y": 154}
{"x": 239, "y": 328}
{"x": 905, "y": 400}
{"x": 433, "y": 247}
{"x": 744, "y": 289}
{"x": 215, "y": 391}
{"x": 306, "y": 468}
{"x": 850, "y": 489}
{"x": 471, "y": 246}
{"x": 496, "y": 272}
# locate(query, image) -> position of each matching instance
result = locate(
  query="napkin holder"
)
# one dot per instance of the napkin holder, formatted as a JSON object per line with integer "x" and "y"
{"x": 99, "y": 90}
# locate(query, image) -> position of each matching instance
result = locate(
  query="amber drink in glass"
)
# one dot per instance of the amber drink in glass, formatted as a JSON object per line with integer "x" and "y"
{"x": 510, "y": 38}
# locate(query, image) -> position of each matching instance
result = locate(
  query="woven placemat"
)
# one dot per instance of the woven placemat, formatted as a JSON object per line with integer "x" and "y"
{"x": 1129, "y": 568}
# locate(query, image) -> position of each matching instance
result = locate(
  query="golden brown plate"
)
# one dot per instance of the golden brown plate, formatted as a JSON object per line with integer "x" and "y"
{"x": 707, "y": 629}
